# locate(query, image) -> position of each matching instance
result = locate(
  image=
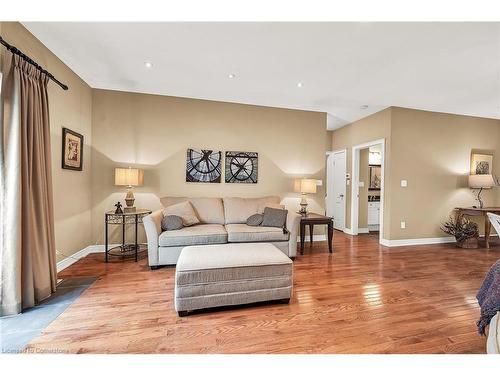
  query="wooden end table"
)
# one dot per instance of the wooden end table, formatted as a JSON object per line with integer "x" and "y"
{"x": 474, "y": 211}
{"x": 123, "y": 219}
{"x": 311, "y": 220}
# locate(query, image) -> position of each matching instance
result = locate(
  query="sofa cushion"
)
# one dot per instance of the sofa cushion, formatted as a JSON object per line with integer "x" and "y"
{"x": 171, "y": 222}
{"x": 201, "y": 234}
{"x": 238, "y": 210}
{"x": 274, "y": 217}
{"x": 208, "y": 210}
{"x": 184, "y": 210}
{"x": 247, "y": 233}
{"x": 255, "y": 220}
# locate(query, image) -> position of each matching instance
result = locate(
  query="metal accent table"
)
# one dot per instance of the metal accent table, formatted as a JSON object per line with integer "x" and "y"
{"x": 123, "y": 219}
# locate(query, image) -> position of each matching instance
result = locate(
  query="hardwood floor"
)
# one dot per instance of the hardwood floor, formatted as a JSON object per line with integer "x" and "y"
{"x": 363, "y": 298}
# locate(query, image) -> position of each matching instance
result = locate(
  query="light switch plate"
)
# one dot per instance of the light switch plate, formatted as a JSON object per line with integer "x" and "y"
{"x": 361, "y": 184}
{"x": 404, "y": 183}
{"x": 319, "y": 182}
{"x": 403, "y": 225}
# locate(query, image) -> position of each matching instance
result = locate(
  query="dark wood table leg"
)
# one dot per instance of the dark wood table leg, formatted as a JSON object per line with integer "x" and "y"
{"x": 106, "y": 237}
{"x": 136, "y": 246}
{"x": 311, "y": 231}
{"x": 302, "y": 237}
{"x": 487, "y": 230}
{"x": 330, "y": 236}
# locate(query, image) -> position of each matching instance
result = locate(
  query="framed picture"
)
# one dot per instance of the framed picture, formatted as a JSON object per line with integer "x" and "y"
{"x": 481, "y": 164}
{"x": 72, "y": 150}
{"x": 203, "y": 165}
{"x": 375, "y": 177}
{"x": 242, "y": 167}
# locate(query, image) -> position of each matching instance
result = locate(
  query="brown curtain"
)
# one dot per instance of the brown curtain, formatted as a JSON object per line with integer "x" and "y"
{"x": 28, "y": 271}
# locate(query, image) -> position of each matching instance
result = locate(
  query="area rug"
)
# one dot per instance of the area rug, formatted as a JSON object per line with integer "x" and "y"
{"x": 18, "y": 330}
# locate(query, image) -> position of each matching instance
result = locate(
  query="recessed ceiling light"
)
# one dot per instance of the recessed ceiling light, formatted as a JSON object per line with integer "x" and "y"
{"x": 364, "y": 106}
{"x": 148, "y": 65}
{"x": 299, "y": 84}
{"x": 231, "y": 76}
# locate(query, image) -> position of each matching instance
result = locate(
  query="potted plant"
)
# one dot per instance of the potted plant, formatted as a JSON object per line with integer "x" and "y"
{"x": 465, "y": 232}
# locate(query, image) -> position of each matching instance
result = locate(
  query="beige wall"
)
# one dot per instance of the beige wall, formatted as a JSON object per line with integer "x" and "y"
{"x": 153, "y": 132}
{"x": 376, "y": 126}
{"x": 432, "y": 152}
{"x": 72, "y": 109}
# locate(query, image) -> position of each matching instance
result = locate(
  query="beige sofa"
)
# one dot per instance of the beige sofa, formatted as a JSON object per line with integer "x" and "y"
{"x": 222, "y": 220}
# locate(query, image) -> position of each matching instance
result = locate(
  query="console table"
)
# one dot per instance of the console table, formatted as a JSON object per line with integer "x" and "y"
{"x": 123, "y": 219}
{"x": 311, "y": 220}
{"x": 473, "y": 211}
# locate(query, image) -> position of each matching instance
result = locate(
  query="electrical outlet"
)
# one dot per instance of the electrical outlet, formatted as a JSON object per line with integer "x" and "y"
{"x": 361, "y": 184}
{"x": 403, "y": 225}
{"x": 404, "y": 183}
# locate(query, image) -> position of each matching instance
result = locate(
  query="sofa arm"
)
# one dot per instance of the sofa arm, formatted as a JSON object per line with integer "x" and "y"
{"x": 293, "y": 224}
{"x": 152, "y": 226}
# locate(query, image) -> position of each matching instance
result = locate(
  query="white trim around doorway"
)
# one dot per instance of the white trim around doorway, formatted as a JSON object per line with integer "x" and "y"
{"x": 355, "y": 183}
{"x": 329, "y": 171}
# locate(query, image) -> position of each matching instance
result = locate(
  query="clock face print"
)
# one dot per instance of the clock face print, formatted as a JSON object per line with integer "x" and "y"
{"x": 203, "y": 165}
{"x": 241, "y": 167}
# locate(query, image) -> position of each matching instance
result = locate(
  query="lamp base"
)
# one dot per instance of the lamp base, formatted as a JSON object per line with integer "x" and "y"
{"x": 129, "y": 200}
{"x": 303, "y": 205}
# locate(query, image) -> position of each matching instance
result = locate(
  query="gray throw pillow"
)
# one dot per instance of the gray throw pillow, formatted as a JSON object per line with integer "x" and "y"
{"x": 274, "y": 217}
{"x": 255, "y": 220}
{"x": 171, "y": 222}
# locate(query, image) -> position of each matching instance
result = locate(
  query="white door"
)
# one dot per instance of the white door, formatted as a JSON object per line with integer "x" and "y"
{"x": 336, "y": 189}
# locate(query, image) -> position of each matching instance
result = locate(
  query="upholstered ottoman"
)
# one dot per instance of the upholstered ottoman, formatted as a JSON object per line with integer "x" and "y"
{"x": 231, "y": 274}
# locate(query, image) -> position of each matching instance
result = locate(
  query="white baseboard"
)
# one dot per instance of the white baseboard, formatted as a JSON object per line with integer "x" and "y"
{"x": 68, "y": 261}
{"x": 421, "y": 241}
{"x": 363, "y": 230}
{"x": 348, "y": 231}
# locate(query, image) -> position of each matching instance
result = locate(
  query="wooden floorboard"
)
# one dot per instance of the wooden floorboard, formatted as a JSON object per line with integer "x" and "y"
{"x": 363, "y": 298}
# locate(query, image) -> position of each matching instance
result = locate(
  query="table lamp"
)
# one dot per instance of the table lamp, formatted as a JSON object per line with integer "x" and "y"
{"x": 129, "y": 177}
{"x": 305, "y": 186}
{"x": 481, "y": 181}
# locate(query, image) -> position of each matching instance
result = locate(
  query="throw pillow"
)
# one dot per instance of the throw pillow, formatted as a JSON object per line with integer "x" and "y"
{"x": 185, "y": 211}
{"x": 255, "y": 220}
{"x": 274, "y": 217}
{"x": 171, "y": 222}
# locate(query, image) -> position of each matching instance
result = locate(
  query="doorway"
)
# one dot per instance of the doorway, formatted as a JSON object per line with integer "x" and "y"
{"x": 367, "y": 203}
{"x": 336, "y": 187}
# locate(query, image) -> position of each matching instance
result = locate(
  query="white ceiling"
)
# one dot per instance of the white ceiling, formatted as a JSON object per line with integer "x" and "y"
{"x": 446, "y": 67}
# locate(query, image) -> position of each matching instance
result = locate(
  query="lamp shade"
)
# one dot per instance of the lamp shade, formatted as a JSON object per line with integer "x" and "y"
{"x": 129, "y": 177}
{"x": 305, "y": 185}
{"x": 477, "y": 181}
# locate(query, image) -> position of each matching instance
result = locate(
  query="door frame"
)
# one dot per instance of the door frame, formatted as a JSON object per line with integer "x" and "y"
{"x": 329, "y": 172}
{"x": 355, "y": 186}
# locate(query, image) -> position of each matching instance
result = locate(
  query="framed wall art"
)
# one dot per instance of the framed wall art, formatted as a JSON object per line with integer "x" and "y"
{"x": 481, "y": 163}
{"x": 203, "y": 165}
{"x": 375, "y": 177}
{"x": 242, "y": 167}
{"x": 72, "y": 150}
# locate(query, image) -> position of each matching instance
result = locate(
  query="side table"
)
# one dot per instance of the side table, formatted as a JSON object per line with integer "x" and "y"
{"x": 123, "y": 219}
{"x": 311, "y": 220}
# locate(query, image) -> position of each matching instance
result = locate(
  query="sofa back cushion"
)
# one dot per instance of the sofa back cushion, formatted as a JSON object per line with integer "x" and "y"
{"x": 208, "y": 210}
{"x": 238, "y": 210}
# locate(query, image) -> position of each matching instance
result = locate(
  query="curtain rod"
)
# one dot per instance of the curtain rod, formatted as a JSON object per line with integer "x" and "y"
{"x": 15, "y": 51}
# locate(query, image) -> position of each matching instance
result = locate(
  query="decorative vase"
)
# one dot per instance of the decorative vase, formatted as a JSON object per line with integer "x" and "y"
{"x": 468, "y": 243}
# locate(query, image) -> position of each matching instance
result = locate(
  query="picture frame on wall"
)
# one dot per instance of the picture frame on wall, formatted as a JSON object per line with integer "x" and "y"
{"x": 481, "y": 163}
{"x": 242, "y": 167}
{"x": 203, "y": 165}
{"x": 375, "y": 177}
{"x": 72, "y": 150}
